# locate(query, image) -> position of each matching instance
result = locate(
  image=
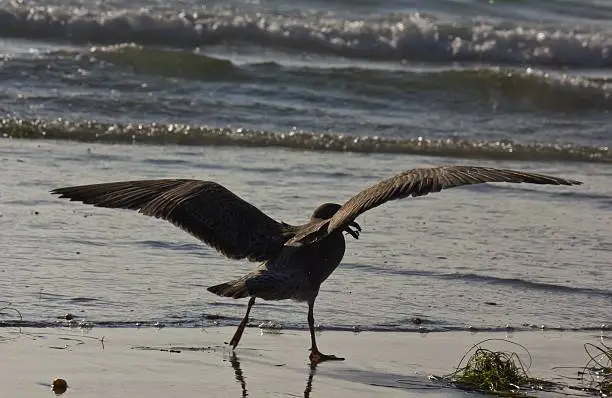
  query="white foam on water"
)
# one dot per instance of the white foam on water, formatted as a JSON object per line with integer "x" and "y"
{"x": 399, "y": 36}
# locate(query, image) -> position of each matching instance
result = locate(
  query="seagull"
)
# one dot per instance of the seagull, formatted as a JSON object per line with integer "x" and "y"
{"x": 294, "y": 259}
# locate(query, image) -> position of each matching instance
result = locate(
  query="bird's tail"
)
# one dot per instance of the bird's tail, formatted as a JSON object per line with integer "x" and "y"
{"x": 235, "y": 289}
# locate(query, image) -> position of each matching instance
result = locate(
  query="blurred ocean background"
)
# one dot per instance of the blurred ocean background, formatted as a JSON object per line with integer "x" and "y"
{"x": 294, "y": 103}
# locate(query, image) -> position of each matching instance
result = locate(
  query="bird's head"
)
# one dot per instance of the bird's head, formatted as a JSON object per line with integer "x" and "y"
{"x": 327, "y": 211}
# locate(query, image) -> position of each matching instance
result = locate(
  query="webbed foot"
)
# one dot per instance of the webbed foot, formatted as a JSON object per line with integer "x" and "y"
{"x": 317, "y": 357}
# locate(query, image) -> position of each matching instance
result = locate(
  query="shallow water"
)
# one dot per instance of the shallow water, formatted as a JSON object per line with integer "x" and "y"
{"x": 269, "y": 97}
{"x": 482, "y": 257}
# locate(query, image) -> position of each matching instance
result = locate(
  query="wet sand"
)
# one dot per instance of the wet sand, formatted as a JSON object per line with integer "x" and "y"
{"x": 191, "y": 362}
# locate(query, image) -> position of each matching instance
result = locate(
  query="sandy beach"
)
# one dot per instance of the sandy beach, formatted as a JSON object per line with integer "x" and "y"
{"x": 191, "y": 362}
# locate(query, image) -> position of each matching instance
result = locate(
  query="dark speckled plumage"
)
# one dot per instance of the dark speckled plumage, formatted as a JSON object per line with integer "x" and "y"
{"x": 296, "y": 258}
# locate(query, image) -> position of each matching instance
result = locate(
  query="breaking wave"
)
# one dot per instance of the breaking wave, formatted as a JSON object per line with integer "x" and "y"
{"x": 526, "y": 87}
{"x": 501, "y": 89}
{"x": 398, "y": 36}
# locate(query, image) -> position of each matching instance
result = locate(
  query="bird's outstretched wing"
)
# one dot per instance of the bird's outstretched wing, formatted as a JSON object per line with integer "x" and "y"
{"x": 205, "y": 209}
{"x": 416, "y": 182}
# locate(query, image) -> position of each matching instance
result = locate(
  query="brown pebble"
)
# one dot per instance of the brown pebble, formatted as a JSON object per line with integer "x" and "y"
{"x": 59, "y": 386}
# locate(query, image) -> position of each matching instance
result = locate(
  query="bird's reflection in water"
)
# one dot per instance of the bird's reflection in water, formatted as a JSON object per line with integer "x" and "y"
{"x": 239, "y": 375}
{"x": 313, "y": 370}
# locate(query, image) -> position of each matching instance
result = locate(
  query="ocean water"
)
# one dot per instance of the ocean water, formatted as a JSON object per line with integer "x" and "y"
{"x": 483, "y": 257}
{"x": 291, "y": 104}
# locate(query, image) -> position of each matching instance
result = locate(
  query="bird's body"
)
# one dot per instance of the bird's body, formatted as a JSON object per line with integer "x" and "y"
{"x": 295, "y": 259}
{"x": 296, "y": 273}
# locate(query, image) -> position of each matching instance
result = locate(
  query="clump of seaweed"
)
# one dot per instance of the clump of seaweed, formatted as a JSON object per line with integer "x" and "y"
{"x": 500, "y": 373}
{"x": 599, "y": 368}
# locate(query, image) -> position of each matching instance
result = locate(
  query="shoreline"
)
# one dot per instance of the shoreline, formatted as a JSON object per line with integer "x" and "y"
{"x": 190, "y": 362}
{"x": 155, "y": 134}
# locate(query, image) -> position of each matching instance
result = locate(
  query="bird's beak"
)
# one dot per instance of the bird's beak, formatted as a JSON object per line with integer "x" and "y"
{"x": 355, "y": 225}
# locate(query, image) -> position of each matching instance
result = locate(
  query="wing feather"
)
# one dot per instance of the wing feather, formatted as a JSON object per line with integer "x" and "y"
{"x": 417, "y": 182}
{"x": 205, "y": 209}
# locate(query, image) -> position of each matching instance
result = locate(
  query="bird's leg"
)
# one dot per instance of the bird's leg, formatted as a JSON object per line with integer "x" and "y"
{"x": 236, "y": 339}
{"x": 315, "y": 355}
